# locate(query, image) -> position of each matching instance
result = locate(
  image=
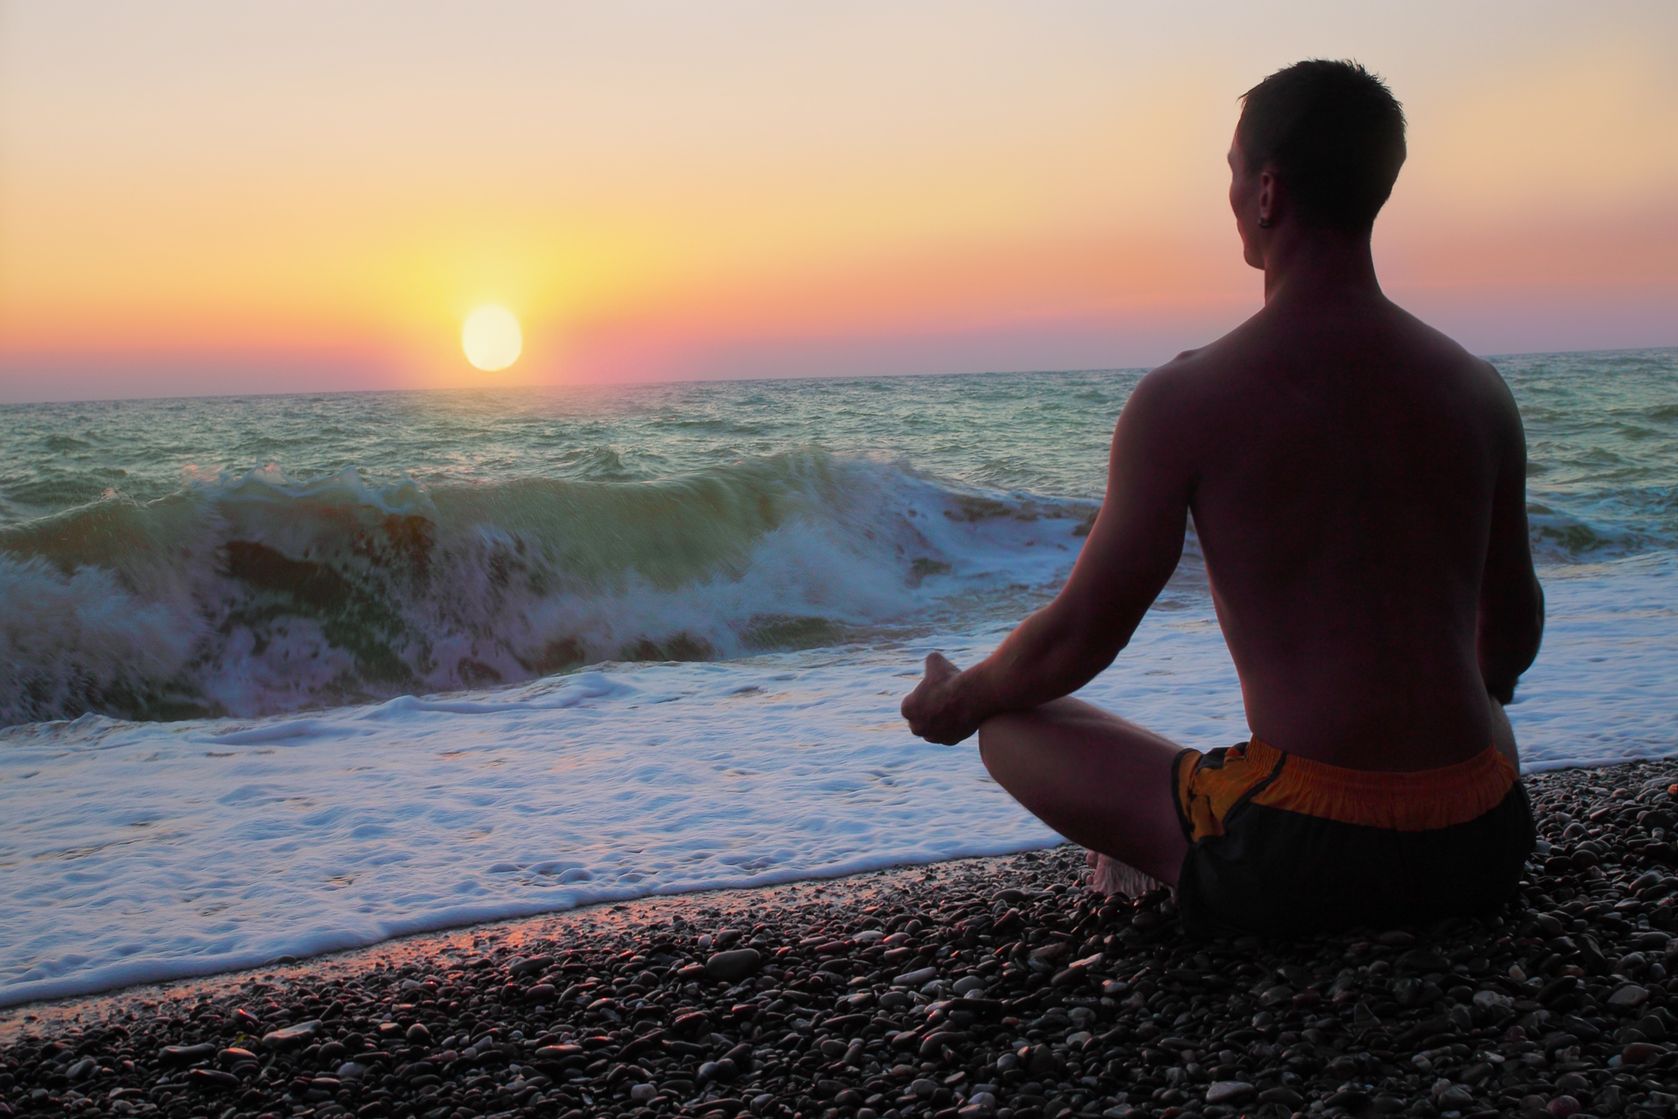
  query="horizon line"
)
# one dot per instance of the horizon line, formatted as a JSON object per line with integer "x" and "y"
{"x": 723, "y": 379}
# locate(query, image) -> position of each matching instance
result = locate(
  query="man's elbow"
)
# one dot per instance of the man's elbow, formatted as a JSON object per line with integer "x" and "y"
{"x": 1094, "y": 646}
{"x": 1510, "y": 637}
{"x": 1533, "y": 632}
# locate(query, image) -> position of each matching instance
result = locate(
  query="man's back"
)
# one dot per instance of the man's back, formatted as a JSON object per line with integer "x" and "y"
{"x": 1346, "y": 461}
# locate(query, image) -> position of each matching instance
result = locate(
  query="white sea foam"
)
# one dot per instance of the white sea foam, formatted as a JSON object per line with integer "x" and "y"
{"x": 58, "y": 631}
{"x": 138, "y": 852}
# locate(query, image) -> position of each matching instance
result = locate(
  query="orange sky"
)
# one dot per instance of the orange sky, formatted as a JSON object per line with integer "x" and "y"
{"x": 199, "y": 197}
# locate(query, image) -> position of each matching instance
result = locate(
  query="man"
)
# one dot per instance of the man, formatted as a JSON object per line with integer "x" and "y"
{"x": 1357, "y": 482}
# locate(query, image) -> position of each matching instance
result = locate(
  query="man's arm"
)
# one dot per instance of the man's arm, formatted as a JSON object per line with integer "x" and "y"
{"x": 1131, "y": 551}
{"x": 1511, "y": 621}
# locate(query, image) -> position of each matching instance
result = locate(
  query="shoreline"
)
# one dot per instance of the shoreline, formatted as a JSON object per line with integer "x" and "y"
{"x": 736, "y": 903}
{"x": 969, "y": 987}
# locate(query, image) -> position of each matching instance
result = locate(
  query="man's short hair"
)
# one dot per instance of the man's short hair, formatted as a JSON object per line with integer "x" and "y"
{"x": 1333, "y": 133}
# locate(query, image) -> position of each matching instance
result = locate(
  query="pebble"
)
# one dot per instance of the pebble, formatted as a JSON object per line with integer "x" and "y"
{"x": 1230, "y": 1092}
{"x": 733, "y": 964}
{"x": 1641, "y": 1053}
{"x": 186, "y": 1054}
{"x": 1040, "y": 1060}
{"x": 212, "y": 1078}
{"x": 1492, "y": 1003}
{"x": 558, "y": 1052}
{"x": 236, "y": 1056}
{"x": 528, "y": 965}
{"x": 1453, "y": 1097}
{"x": 291, "y": 1036}
{"x": 1628, "y": 997}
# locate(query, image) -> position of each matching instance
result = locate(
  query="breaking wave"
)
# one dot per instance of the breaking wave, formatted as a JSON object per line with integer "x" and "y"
{"x": 256, "y": 593}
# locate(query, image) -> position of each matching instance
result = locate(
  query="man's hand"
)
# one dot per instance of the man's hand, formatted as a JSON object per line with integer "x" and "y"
{"x": 934, "y": 709}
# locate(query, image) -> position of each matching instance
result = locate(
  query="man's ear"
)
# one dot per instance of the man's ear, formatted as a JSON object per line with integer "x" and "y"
{"x": 1268, "y": 196}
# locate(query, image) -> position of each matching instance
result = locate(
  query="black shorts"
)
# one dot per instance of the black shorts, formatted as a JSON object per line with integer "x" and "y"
{"x": 1281, "y": 845}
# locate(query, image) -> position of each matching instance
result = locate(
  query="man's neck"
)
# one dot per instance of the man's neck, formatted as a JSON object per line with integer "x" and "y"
{"x": 1318, "y": 265}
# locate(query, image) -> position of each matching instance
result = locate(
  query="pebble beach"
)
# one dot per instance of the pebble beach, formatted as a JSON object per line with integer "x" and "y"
{"x": 983, "y": 987}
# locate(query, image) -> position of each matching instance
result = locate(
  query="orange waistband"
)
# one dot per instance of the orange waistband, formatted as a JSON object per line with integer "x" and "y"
{"x": 1420, "y": 800}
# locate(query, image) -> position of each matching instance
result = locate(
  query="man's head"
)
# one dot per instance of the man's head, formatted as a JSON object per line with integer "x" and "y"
{"x": 1332, "y": 136}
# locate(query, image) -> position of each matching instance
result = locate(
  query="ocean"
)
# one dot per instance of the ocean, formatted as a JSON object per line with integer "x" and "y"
{"x": 286, "y": 674}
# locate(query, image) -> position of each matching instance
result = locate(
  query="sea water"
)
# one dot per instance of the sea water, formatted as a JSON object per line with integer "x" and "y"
{"x": 286, "y": 674}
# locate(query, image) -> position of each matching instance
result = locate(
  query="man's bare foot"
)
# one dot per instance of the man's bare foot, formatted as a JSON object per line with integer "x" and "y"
{"x": 1108, "y": 876}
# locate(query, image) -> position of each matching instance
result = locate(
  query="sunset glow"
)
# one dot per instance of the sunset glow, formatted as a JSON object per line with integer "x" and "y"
{"x": 220, "y": 197}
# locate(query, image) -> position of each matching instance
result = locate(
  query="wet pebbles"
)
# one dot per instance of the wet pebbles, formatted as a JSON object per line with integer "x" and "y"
{"x": 980, "y": 988}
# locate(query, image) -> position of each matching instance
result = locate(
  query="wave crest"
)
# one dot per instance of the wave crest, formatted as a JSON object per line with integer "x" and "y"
{"x": 254, "y": 593}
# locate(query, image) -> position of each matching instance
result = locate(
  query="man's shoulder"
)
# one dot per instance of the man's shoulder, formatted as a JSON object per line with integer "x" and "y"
{"x": 1228, "y": 352}
{"x": 1175, "y": 399}
{"x": 1165, "y": 384}
{"x": 1192, "y": 371}
{"x": 1434, "y": 345}
{"x": 1472, "y": 378}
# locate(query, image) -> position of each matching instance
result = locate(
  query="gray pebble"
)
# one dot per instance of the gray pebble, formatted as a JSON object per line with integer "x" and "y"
{"x": 1492, "y": 1003}
{"x": 291, "y": 1036}
{"x": 1281, "y": 1094}
{"x": 186, "y": 1054}
{"x": 1628, "y": 997}
{"x": 1641, "y": 1052}
{"x": 733, "y": 964}
{"x": 1453, "y": 1097}
{"x": 1230, "y": 1092}
{"x": 212, "y": 1078}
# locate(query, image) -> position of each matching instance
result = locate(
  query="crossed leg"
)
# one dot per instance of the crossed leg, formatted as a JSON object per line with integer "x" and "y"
{"x": 1098, "y": 780}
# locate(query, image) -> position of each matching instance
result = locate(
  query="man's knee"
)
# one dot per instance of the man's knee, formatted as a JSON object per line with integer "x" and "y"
{"x": 998, "y": 736}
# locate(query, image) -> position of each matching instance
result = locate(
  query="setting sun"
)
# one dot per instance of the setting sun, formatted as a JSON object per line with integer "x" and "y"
{"x": 491, "y": 338}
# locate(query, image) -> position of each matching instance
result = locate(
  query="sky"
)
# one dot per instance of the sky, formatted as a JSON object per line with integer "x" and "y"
{"x": 268, "y": 197}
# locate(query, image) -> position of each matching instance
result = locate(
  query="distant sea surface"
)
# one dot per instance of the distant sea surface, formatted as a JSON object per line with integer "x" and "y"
{"x": 285, "y": 674}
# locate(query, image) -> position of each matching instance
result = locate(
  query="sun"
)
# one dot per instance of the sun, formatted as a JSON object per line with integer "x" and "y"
{"x": 491, "y": 338}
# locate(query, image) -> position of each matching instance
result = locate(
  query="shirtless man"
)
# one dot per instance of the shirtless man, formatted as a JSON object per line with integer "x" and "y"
{"x": 1357, "y": 482}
